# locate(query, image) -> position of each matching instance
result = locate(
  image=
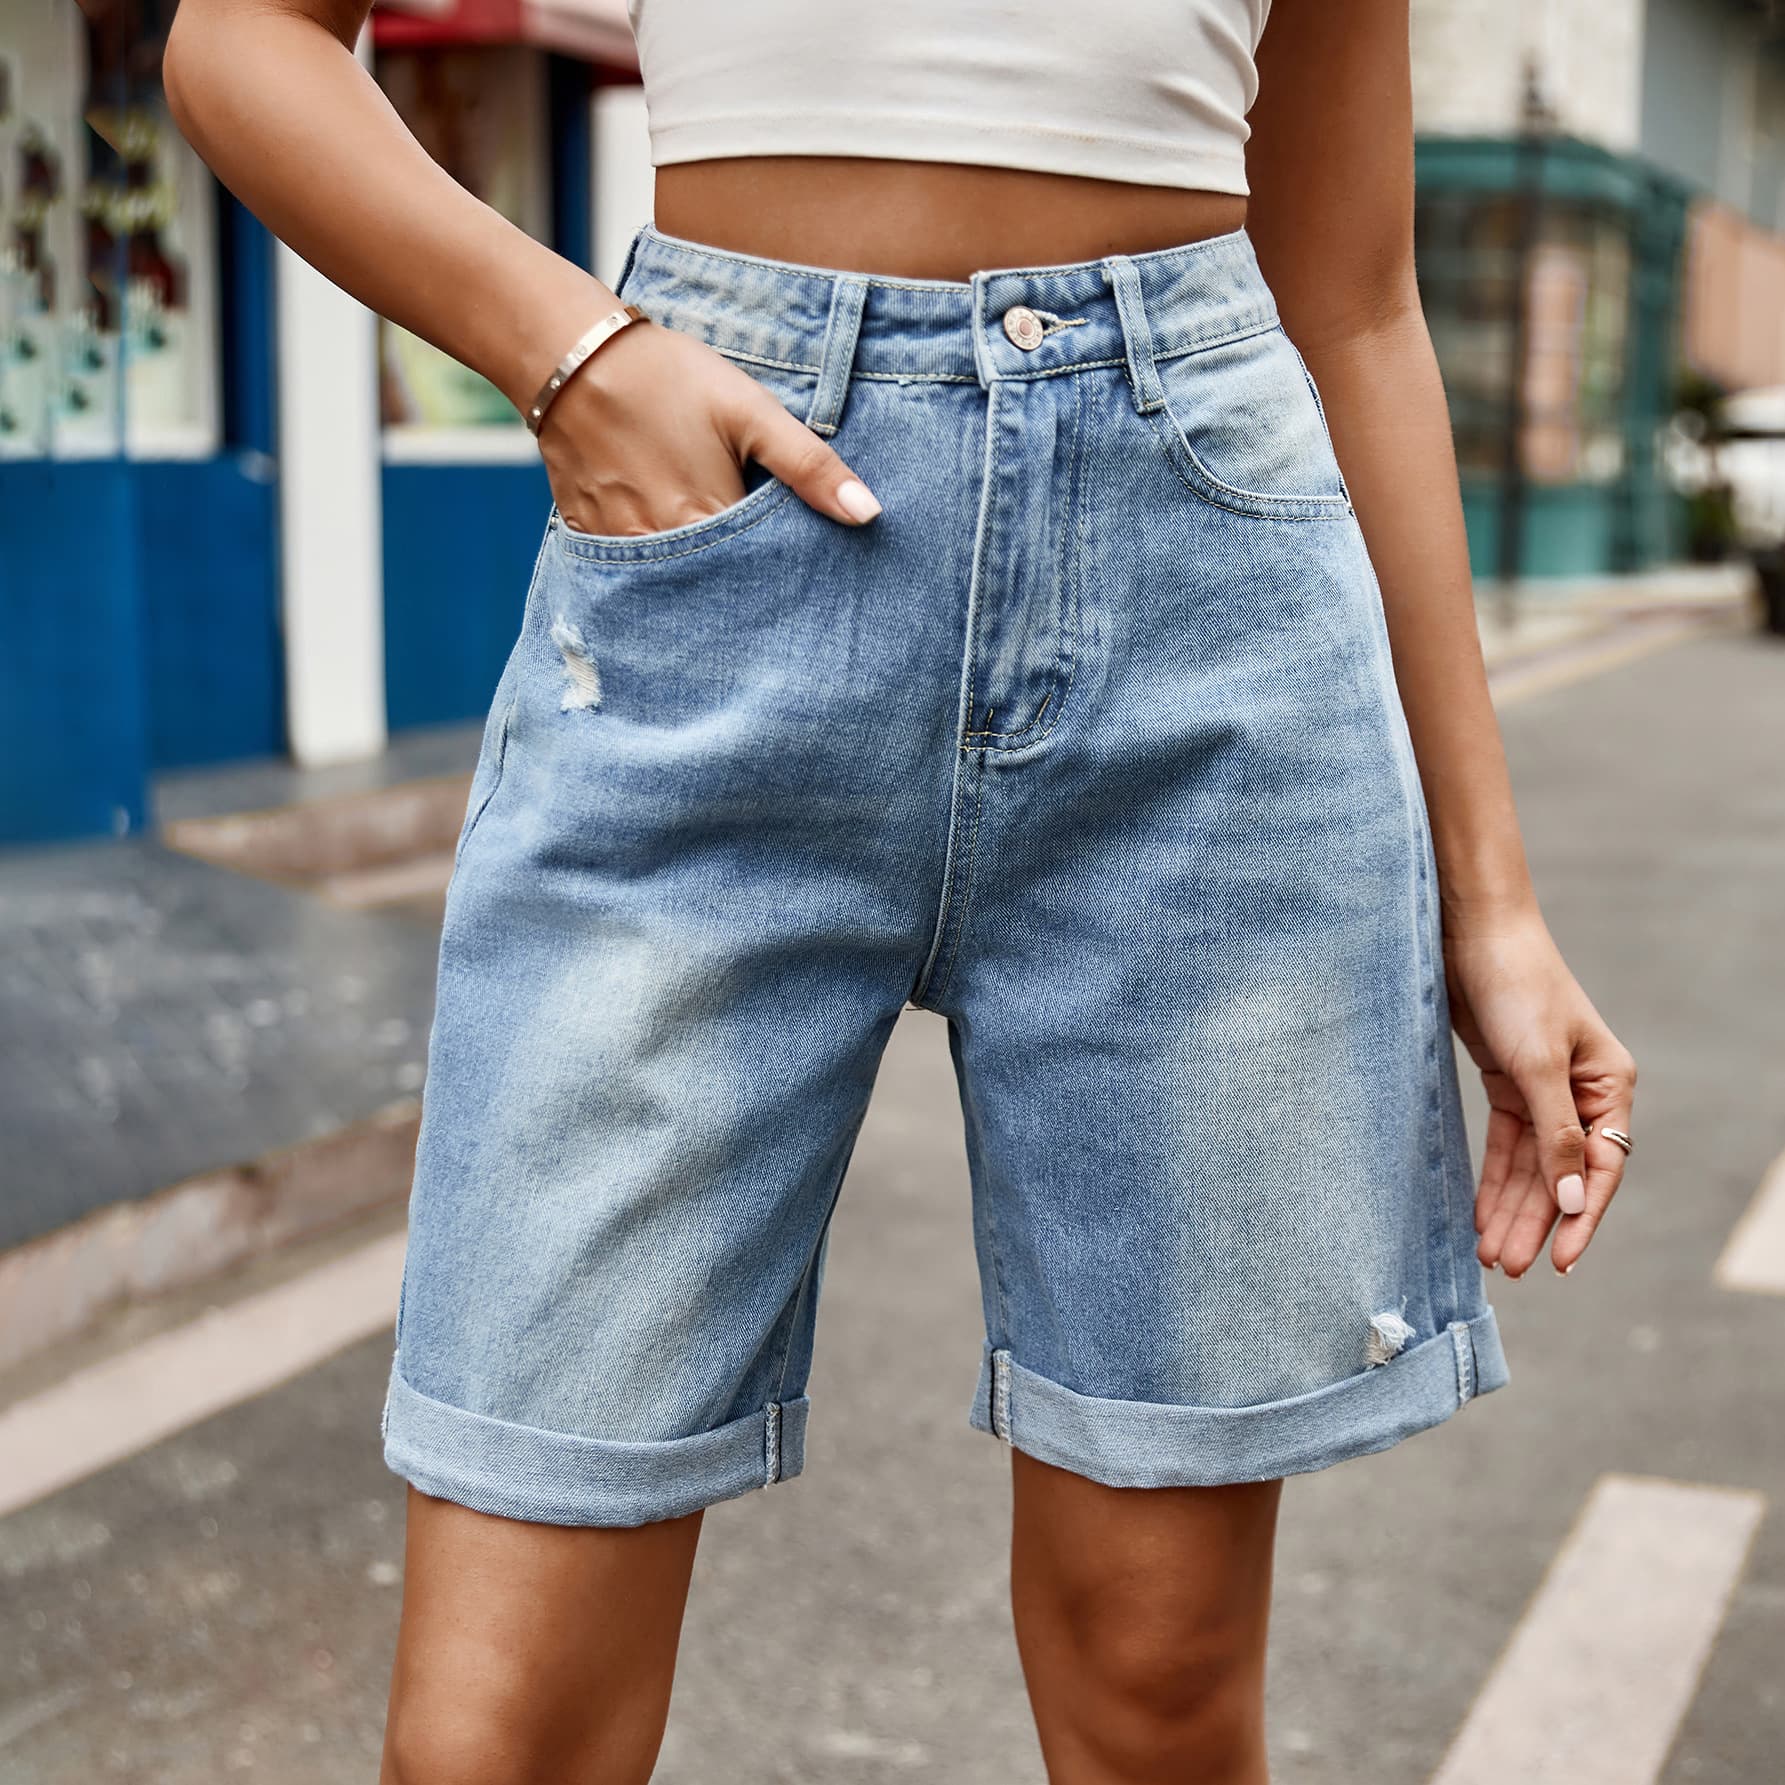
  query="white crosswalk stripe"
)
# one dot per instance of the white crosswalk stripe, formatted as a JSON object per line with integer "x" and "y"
{"x": 100, "y": 1415}
{"x": 1599, "y": 1672}
{"x": 1754, "y": 1258}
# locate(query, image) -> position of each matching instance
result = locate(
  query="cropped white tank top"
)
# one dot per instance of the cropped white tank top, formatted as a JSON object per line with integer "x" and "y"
{"x": 1153, "y": 91}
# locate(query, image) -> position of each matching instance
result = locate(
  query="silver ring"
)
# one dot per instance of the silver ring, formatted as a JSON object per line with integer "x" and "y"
{"x": 1617, "y": 1136}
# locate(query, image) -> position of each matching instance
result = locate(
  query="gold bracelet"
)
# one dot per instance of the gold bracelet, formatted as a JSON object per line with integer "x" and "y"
{"x": 586, "y": 343}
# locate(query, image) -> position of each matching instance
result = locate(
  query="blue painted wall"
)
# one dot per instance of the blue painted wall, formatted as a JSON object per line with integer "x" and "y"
{"x": 459, "y": 545}
{"x": 73, "y": 693}
{"x": 139, "y": 600}
{"x": 208, "y": 579}
{"x": 209, "y": 544}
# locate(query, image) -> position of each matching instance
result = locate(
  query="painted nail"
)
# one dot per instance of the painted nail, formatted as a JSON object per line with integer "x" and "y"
{"x": 857, "y": 501}
{"x": 1571, "y": 1194}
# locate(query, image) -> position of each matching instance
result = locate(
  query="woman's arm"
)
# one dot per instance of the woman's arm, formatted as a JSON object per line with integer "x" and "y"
{"x": 1330, "y": 165}
{"x": 650, "y": 433}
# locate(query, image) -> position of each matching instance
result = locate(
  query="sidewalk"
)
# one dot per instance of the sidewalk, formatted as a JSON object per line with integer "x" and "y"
{"x": 197, "y": 1063}
{"x": 1550, "y": 618}
{"x": 213, "y": 1041}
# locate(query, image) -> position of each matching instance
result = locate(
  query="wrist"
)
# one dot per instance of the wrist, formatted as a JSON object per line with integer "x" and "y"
{"x": 1496, "y": 903}
{"x": 543, "y": 306}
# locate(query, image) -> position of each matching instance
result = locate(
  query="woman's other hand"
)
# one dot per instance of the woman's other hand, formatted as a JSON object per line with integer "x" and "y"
{"x": 1549, "y": 1064}
{"x": 653, "y": 433}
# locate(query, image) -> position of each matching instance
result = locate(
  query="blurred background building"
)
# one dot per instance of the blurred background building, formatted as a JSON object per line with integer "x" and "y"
{"x": 1601, "y": 194}
{"x": 223, "y": 485}
{"x": 240, "y": 518}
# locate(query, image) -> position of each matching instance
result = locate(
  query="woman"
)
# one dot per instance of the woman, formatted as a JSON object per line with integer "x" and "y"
{"x": 956, "y": 594}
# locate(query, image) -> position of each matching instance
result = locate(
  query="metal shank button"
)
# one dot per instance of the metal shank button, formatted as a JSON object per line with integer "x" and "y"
{"x": 1023, "y": 326}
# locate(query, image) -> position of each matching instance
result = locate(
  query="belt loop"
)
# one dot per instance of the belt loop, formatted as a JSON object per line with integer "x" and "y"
{"x": 841, "y": 330}
{"x": 1137, "y": 333}
{"x": 638, "y": 235}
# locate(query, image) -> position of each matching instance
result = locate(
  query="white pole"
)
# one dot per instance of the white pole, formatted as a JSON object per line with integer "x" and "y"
{"x": 621, "y": 189}
{"x": 330, "y": 517}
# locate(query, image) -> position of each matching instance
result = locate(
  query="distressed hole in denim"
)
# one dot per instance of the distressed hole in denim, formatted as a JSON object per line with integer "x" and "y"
{"x": 582, "y": 681}
{"x": 1388, "y": 1334}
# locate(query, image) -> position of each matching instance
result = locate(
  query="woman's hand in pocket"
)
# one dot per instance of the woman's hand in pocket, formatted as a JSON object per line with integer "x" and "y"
{"x": 654, "y": 431}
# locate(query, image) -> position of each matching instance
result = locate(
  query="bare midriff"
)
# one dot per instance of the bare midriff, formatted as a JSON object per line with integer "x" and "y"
{"x": 925, "y": 219}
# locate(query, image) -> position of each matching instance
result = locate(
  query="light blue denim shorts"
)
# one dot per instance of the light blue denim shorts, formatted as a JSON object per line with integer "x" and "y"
{"x": 1091, "y": 744}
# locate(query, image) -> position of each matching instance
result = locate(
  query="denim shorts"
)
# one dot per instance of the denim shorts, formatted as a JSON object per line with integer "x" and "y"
{"x": 1090, "y": 743}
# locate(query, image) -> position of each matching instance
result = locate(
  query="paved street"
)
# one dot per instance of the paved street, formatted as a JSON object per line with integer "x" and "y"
{"x": 223, "y": 1604}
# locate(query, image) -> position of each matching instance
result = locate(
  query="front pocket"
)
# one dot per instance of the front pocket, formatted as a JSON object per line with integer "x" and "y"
{"x": 763, "y": 492}
{"x": 1243, "y": 428}
{"x": 692, "y": 536}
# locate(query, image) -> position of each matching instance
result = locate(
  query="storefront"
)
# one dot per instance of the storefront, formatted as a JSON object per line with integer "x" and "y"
{"x": 138, "y": 617}
{"x": 238, "y": 517}
{"x": 1550, "y": 270}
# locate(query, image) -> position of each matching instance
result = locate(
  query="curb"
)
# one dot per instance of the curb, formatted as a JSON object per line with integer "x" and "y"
{"x": 345, "y": 847}
{"x": 55, "y": 1288}
{"x": 1519, "y": 677}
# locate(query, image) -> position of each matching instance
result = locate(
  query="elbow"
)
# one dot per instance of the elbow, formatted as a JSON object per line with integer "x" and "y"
{"x": 190, "y": 61}
{"x": 1379, "y": 306}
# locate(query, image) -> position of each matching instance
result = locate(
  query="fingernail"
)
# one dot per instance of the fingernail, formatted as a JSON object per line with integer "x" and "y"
{"x": 1571, "y": 1194}
{"x": 1568, "y": 1267}
{"x": 857, "y": 501}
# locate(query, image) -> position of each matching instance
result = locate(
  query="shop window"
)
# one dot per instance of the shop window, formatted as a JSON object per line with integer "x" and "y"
{"x": 108, "y": 282}
{"x": 1575, "y": 284}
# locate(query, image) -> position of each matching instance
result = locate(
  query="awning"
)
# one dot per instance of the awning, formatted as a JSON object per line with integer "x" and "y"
{"x": 595, "y": 30}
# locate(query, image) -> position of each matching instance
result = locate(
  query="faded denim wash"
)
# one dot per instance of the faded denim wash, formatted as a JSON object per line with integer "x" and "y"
{"x": 1089, "y": 743}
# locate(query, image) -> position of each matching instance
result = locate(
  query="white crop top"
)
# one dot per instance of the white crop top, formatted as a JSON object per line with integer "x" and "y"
{"x": 1153, "y": 91}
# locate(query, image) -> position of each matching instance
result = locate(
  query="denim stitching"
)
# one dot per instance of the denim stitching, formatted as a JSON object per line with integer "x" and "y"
{"x": 501, "y": 764}
{"x": 771, "y": 1444}
{"x": 1428, "y": 971}
{"x": 1177, "y": 442}
{"x": 966, "y": 899}
{"x": 991, "y": 1240}
{"x": 982, "y": 526}
{"x": 1178, "y": 453}
{"x": 1463, "y": 1344}
{"x": 1197, "y": 344}
{"x": 1436, "y": 1032}
{"x": 1066, "y": 653}
{"x": 514, "y": 698}
{"x": 1204, "y": 343}
{"x": 1320, "y": 410}
{"x": 920, "y": 377}
{"x": 1001, "y": 1394}
{"x": 799, "y": 1303}
{"x": 762, "y": 359}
